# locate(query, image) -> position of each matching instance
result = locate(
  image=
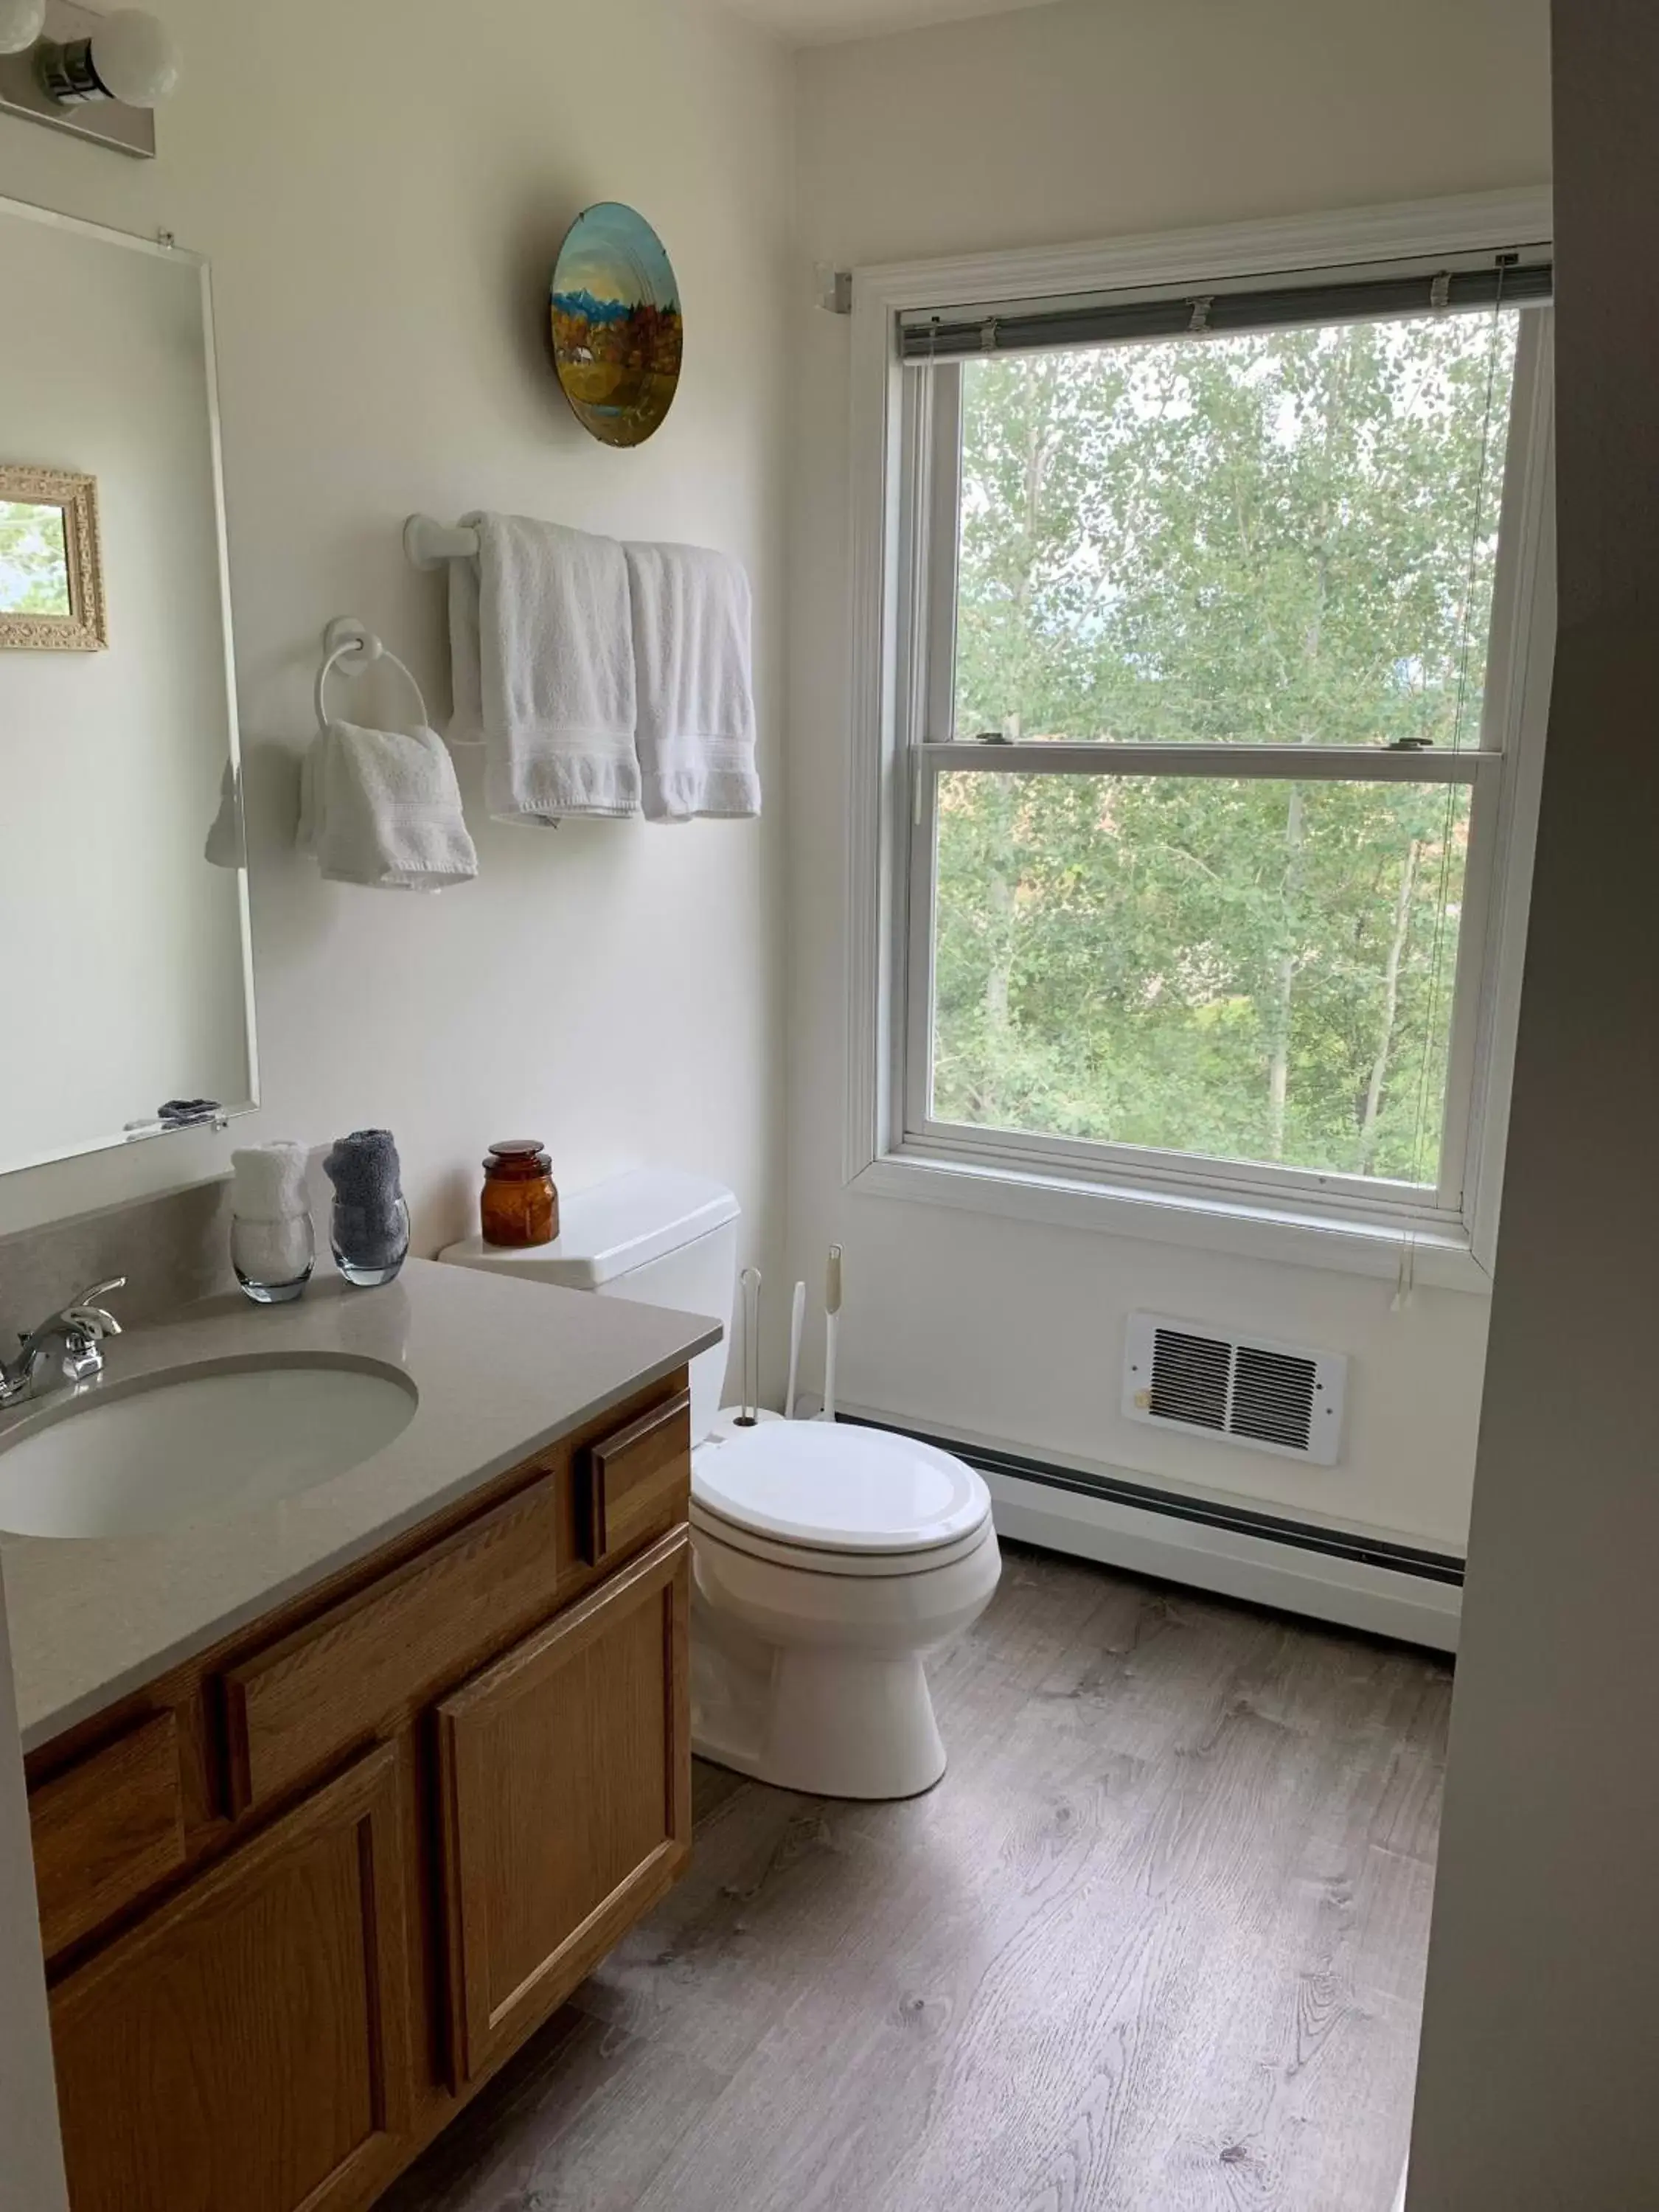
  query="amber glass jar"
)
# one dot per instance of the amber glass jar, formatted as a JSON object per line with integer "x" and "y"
{"x": 520, "y": 1204}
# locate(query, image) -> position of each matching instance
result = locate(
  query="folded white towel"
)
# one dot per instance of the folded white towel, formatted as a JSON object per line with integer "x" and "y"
{"x": 269, "y": 1181}
{"x": 382, "y": 808}
{"x": 696, "y": 726}
{"x": 226, "y": 846}
{"x": 543, "y": 669}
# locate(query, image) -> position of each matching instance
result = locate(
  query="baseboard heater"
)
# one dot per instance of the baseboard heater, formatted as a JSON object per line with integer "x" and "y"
{"x": 1441, "y": 1567}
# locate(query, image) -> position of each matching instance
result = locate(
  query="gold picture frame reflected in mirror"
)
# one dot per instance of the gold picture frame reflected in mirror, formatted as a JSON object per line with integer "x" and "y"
{"x": 52, "y": 569}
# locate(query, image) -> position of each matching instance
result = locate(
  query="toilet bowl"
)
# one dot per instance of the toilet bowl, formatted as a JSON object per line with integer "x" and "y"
{"x": 828, "y": 1559}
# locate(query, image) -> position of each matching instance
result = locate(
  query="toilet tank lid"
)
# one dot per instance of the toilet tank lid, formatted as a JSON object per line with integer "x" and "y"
{"x": 615, "y": 1227}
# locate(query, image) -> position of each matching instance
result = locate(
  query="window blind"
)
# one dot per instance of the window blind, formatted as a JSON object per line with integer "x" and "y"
{"x": 1520, "y": 278}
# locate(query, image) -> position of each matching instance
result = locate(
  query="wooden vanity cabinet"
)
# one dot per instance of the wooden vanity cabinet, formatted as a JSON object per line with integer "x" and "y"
{"x": 301, "y": 1898}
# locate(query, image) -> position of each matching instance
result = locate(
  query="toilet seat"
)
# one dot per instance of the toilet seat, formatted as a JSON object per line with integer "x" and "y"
{"x": 836, "y": 1499}
{"x": 859, "y": 1566}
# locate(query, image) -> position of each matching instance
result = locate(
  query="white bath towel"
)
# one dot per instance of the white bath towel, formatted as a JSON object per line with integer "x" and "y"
{"x": 268, "y": 1182}
{"x": 543, "y": 669}
{"x": 695, "y": 721}
{"x": 382, "y": 808}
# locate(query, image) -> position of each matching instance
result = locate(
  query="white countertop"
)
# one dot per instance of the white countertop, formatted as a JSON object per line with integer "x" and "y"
{"x": 502, "y": 1369}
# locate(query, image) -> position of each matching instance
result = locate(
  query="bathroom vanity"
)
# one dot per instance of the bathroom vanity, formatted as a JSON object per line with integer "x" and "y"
{"x": 335, "y": 1795}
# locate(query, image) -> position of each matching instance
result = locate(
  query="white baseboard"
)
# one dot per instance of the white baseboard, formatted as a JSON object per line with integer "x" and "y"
{"x": 1347, "y": 1592}
{"x": 1233, "y": 1562}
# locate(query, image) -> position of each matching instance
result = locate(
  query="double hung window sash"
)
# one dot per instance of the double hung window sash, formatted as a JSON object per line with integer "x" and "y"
{"x": 1205, "y": 770}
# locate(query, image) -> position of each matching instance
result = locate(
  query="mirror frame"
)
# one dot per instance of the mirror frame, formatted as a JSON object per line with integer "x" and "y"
{"x": 85, "y": 628}
{"x": 162, "y": 247}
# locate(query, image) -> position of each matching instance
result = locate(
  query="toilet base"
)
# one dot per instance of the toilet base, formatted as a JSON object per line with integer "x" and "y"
{"x": 813, "y": 1681}
{"x": 827, "y": 1724}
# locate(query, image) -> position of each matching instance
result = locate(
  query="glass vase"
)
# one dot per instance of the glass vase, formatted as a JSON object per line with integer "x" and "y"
{"x": 369, "y": 1243}
{"x": 273, "y": 1260}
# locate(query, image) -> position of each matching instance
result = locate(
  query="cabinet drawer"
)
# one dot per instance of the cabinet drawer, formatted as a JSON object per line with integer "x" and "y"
{"x": 106, "y": 1828}
{"x": 634, "y": 1483}
{"x": 300, "y": 1703}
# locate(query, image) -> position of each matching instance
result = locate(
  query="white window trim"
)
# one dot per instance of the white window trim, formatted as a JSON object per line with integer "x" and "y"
{"x": 1351, "y": 1233}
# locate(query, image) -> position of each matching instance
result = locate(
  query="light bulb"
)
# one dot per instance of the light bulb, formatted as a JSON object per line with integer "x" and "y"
{"x": 134, "y": 57}
{"x": 21, "y": 24}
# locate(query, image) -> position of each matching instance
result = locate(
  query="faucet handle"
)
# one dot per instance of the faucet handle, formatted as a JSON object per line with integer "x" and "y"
{"x": 83, "y": 1314}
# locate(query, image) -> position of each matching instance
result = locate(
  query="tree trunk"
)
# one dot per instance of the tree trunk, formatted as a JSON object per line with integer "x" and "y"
{"x": 1402, "y": 923}
{"x": 1284, "y": 966}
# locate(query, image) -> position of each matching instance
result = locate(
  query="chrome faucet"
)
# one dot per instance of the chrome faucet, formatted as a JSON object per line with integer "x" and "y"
{"x": 80, "y": 1328}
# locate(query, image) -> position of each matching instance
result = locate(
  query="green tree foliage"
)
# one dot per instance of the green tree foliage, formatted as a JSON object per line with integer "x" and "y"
{"x": 34, "y": 561}
{"x": 1287, "y": 537}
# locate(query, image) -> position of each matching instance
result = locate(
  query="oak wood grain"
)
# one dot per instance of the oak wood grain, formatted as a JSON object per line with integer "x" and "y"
{"x": 564, "y": 1796}
{"x": 107, "y": 1829}
{"x": 632, "y": 1477}
{"x": 246, "y": 2045}
{"x": 1155, "y": 1944}
{"x": 296, "y": 1705}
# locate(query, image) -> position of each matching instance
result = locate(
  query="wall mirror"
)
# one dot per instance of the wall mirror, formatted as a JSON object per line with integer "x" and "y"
{"x": 123, "y": 898}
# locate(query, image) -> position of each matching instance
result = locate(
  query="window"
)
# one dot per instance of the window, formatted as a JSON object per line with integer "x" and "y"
{"x": 1209, "y": 605}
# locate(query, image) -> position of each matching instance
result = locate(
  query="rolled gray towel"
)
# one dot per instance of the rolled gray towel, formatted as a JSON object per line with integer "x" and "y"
{"x": 367, "y": 1181}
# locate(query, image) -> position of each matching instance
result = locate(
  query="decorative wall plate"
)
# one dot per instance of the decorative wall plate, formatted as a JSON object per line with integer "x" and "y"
{"x": 615, "y": 320}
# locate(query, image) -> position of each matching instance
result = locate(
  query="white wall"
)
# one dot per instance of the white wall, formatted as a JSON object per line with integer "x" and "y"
{"x": 1536, "y": 2088}
{"x": 381, "y": 190}
{"x": 114, "y": 757}
{"x": 1055, "y": 125}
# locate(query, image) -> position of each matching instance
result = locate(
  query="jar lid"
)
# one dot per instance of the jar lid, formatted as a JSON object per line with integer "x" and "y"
{"x": 513, "y": 1148}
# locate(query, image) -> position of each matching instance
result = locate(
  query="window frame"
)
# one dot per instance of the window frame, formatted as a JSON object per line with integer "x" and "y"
{"x": 906, "y": 444}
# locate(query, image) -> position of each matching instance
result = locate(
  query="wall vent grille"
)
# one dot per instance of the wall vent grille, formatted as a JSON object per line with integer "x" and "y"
{"x": 1270, "y": 1397}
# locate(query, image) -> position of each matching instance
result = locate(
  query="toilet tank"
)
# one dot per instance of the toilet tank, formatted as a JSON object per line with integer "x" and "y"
{"x": 653, "y": 1235}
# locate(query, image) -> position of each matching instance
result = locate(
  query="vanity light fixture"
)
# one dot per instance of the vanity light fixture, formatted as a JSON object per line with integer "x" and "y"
{"x": 96, "y": 75}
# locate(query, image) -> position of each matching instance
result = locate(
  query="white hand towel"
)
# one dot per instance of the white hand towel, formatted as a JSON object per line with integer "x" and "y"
{"x": 269, "y": 1181}
{"x": 695, "y": 728}
{"x": 226, "y": 846}
{"x": 310, "y": 795}
{"x": 543, "y": 669}
{"x": 382, "y": 808}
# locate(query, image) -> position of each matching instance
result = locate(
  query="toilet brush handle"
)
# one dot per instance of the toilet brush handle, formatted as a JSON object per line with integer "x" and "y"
{"x": 831, "y": 1327}
{"x": 748, "y": 1412}
{"x": 797, "y": 1329}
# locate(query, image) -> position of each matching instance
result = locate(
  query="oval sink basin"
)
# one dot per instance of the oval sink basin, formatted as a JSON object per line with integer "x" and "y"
{"x": 133, "y": 1461}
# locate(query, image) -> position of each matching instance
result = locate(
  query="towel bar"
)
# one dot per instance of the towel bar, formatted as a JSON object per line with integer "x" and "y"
{"x": 428, "y": 543}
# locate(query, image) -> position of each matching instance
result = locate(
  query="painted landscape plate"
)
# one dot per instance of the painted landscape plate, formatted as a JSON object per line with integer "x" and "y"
{"x": 617, "y": 330}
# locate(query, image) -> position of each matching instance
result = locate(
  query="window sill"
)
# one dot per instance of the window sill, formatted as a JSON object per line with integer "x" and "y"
{"x": 1441, "y": 1259}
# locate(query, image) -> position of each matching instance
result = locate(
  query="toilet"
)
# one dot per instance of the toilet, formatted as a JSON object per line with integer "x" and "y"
{"x": 828, "y": 1559}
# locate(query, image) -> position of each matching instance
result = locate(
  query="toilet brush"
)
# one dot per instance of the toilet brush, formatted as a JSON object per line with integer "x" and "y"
{"x": 831, "y": 1323}
{"x": 749, "y": 1411}
{"x": 797, "y": 1325}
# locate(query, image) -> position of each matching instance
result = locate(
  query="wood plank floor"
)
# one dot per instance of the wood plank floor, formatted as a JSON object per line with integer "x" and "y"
{"x": 1155, "y": 1944}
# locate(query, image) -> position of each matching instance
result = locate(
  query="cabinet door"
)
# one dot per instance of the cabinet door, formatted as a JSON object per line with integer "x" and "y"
{"x": 244, "y": 2049}
{"x": 565, "y": 1787}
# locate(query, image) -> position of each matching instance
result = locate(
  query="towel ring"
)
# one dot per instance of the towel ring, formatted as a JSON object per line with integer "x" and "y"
{"x": 348, "y": 640}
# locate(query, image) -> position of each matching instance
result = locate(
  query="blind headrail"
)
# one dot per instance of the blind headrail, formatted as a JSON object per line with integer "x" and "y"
{"x": 1514, "y": 279}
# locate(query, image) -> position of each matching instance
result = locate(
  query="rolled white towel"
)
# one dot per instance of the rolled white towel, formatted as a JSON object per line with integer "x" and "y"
{"x": 269, "y": 1182}
{"x": 275, "y": 1251}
